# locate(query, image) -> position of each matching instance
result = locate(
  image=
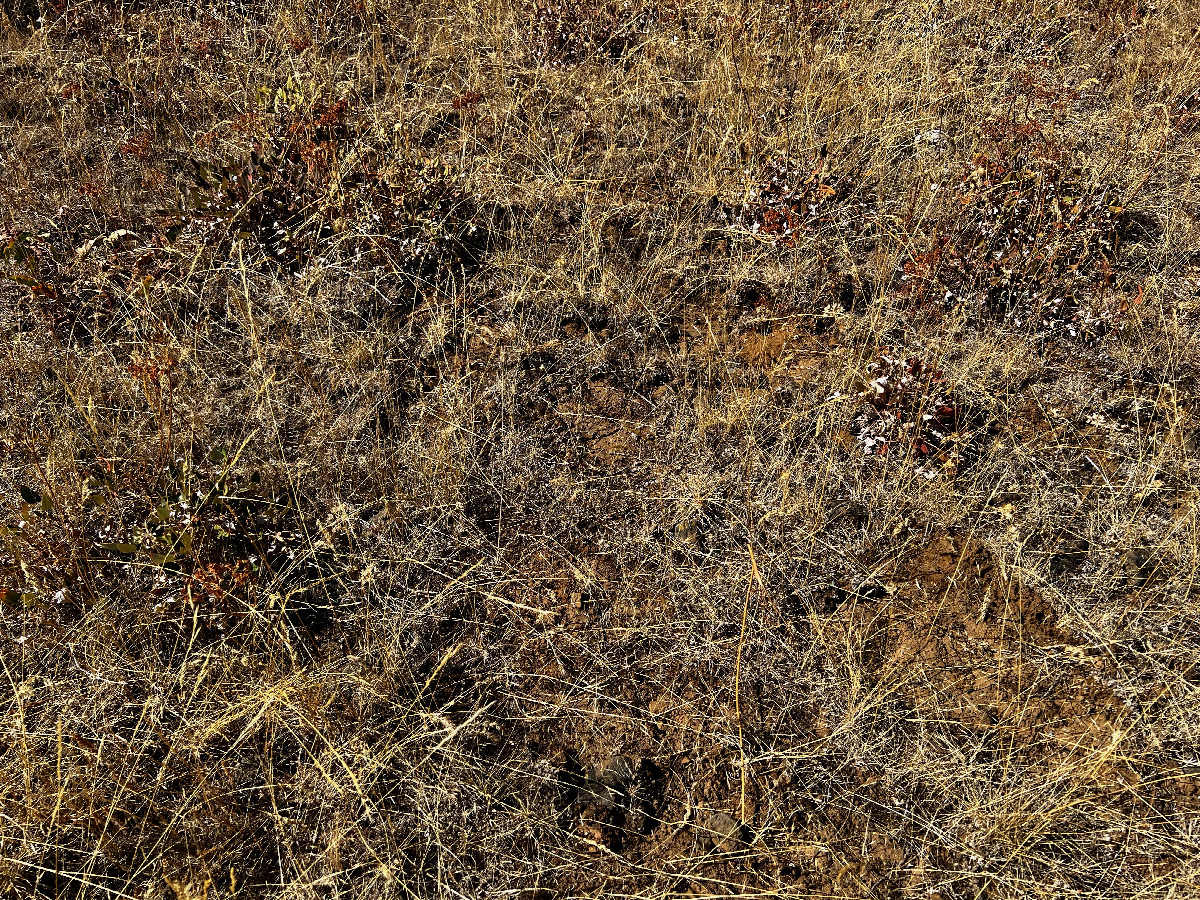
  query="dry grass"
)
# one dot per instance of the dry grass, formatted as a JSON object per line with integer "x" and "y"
{"x": 605, "y": 449}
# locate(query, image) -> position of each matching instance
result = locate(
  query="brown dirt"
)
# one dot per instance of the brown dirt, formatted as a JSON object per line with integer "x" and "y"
{"x": 958, "y": 645}
{"x": 967, "y": 643}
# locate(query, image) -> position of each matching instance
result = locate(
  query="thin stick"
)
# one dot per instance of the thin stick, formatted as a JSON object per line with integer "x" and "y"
{"x": 737, "y": 677}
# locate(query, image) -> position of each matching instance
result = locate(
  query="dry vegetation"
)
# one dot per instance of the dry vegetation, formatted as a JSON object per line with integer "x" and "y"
{"x": 644, "y": 449}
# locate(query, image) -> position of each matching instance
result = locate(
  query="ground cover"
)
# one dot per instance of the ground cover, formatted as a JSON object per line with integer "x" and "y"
{"x": 696, "y": 448}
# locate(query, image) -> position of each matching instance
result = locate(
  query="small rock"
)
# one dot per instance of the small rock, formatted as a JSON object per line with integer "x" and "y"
{"x": 608, "y": 785}
{"x": 617, "y": 774}
{"x": 592, "y": 791}
{"x": 726, "y": 832}
{"x": 1141, "y": 565}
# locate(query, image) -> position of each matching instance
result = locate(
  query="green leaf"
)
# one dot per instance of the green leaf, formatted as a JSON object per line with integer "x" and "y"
{"x": 16, "y": 598}
{"x": 119, "y": 548}
{"x": 162, "y": 559}
{"x": 218, "y": 455}
{"x": 30, "y": 496}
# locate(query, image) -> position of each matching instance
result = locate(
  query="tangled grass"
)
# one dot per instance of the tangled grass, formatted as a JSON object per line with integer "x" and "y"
{"x": 599, "y": 449}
